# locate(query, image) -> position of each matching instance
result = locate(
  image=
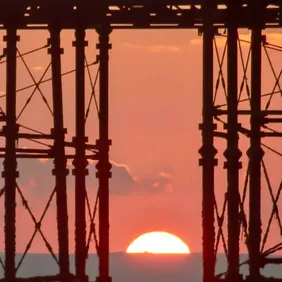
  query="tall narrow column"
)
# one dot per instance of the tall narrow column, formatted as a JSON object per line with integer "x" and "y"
{"x": 10, "y": 172}
{"x": 255, "y": 153}
{"x": 60, "y": 171}
{"x": 103, "y": 165}
{"x": 232, "y": 152}
{"x": 80, "y": 162}
{"x": 208, "y": 151}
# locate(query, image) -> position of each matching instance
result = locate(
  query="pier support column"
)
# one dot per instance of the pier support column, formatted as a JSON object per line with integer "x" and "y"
{"x": 232, "y": 152}
{"x": 255, "y": 154}
{"x": 208, "y": 151}
{"x": 10, "y": 173}
{"x": 103, "y": 165}
{"x": 60, "y": 162}
{"x": 80, "y": 162}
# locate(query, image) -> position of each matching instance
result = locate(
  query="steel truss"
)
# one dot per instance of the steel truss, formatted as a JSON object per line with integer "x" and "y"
{"x": 209, "y": 17}
{"x": 56, "y": 144}
{"x": 259, "y": 122}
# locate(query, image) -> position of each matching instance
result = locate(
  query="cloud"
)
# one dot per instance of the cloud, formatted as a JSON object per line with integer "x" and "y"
{"x": 123, "y": 182}
{"x": 274, "y": 38}
{"x": 153, "y": 48}
{"x": 37, "y": 68}
{"x": 221, "y": 40}
{"x": 36, "y": 179}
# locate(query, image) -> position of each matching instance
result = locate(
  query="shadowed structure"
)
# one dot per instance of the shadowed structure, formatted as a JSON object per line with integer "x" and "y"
{"x": 209, "y": 17}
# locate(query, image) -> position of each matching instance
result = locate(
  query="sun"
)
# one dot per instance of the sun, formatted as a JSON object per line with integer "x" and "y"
{"x": 158, "y": 242}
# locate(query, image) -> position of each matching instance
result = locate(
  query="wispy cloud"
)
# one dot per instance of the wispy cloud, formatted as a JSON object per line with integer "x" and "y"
{"x": 153, "y": 48}
{"x": 221, "y": 40}
{"x": 274, "y": 38}
{"x": 37, "y": 68}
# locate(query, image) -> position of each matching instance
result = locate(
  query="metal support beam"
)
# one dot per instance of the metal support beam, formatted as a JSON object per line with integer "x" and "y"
{"x": 103, "y": 165}
{"x": 255, "y": 152}
{"x": 10, "y": 172}
{"x": 232, "y": 152}
{"x": 80, "y": 162}
{"x": 60, "y": 160}
{"x": 208, "y": 151}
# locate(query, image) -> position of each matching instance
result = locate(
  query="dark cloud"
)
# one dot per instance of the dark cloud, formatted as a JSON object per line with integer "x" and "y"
{"x": 36, "y": 177}
{"x": 123, "y": 182}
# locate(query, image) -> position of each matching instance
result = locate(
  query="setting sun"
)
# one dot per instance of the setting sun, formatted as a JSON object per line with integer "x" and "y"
{"x": 158, "y": 243}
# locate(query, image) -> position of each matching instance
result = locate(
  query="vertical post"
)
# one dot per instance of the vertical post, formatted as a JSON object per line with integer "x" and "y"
{"x": 232, "y": 152}
{"x": 255, "y": 152}
{"x": 208, "y": 151}
{"x": 80, "y": 162}
{"x": 103, "y": 165}
{"x": 10, "y": 172}
{"x": 60, "y": 171}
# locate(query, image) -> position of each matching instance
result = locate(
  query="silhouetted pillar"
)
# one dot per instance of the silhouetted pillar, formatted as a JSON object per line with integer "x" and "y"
{"x": 232, "y": 152}
{"x": 80, "y": 162}
{"x": 60, "y": 171}
{"x": 255, "y": 152}
{"x": 208, "y": 151}
{"x": 10, "y": 172}
{"x": 103, "y": 165}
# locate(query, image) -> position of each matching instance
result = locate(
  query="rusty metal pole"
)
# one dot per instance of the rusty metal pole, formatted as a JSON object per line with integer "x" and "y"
{"x": 208, "y": 151}
{"x": 80, "y": 162}
{"x": 103, "y": 165}
{"x": 10, "y": 173}
{"x": 60, "y": 171}
{"x": 232, "y": 152}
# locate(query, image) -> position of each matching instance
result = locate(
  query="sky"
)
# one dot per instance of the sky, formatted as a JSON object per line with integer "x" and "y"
{"x": 155, "y": 110}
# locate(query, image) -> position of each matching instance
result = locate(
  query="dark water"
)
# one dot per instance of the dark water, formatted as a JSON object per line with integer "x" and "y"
{"x": 137, "y": 268}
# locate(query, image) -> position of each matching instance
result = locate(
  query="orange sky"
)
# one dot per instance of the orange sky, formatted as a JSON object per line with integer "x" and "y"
{"x": 155, "y": 90}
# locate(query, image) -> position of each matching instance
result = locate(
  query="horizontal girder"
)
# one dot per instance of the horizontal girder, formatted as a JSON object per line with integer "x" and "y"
{"x": 35, "y": 14}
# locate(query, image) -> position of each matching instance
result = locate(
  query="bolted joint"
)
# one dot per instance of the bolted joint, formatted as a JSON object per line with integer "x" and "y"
{"x": 100, "y": 143}
{"x": 59, "y": 171}
{"x": 255, "y": 152}
{"x": 6, "y": 173}
{"x": 7, "y": 129}
{"x": 257, "y": 119}
{"x": 237, "y": 277}
{"x": 5, "y": 38}
{"x": 53, "y": 131}
{"x": 108, "y": 174}
{"x": 202, "y": 126}
{"x": 204, "y": 161}
{"x": 209, "y": 151}
{"x": 37, "y": 225}
{"x": 74, "y": 139}
{"x": 80, "y": 162}
{"x": 100, "y": 46}
{"x": 84, "y": 171}
{"x": 50, "y": 51}
{"x": 232, "y": 154}
{"x": 226, "y": 126}
{"x": 84, "y": 43}
{"x": 103, "y": 279}
{"x": 104, "y": 30}
{"x": 81, "y": 278}
{"x": 53, "y": 48}
{"x": 264, "y": 40}
{"x": 229, "y": 164}
{"x": 200, "y": 31}
{"x": 103, "y": 166}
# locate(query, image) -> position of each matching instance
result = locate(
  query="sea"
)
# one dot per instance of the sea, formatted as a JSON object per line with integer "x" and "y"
{"x": 138, "y": 267}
